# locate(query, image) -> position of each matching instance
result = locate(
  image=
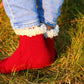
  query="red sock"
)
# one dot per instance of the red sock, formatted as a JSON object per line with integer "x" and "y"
{"x": 32, "y": 53}
{"x": 50, "y": 44}
{"x": 49, "y": 40}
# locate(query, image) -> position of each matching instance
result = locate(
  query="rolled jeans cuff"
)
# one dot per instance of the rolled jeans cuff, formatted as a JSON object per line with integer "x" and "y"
{"x": 24, "y": 25}
{"x": 47, "y": 21}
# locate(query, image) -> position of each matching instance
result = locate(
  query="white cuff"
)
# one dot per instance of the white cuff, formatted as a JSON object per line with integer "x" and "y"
{"x": 51, "y": 33}
{"x": 31, "y": 32}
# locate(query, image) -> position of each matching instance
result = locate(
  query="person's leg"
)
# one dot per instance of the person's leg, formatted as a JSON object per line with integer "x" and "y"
{"x": 32, "y": 51}
{"x": 22, "y": 14}
{"x": 48, "y": 11}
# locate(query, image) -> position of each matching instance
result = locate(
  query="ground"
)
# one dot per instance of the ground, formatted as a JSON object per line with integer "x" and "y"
{"x": 68, "y": 66}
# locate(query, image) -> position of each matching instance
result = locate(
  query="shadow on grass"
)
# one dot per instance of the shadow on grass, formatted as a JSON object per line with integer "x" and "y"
{"x": 66, "y": 21}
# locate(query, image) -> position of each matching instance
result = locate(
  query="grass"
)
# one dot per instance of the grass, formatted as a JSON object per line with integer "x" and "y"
{"x": 68, "y": 68}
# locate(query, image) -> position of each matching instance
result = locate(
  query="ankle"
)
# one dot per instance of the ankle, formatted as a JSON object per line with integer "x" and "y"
{"x": 49, "y": 27}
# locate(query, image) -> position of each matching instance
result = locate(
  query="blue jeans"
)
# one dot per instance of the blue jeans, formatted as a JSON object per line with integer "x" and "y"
{"x": 24, "y": 14}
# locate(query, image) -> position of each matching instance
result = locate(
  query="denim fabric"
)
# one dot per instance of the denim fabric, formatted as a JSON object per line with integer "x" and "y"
{"x": 49, "y": 10}
{"x": 24, "y": 14}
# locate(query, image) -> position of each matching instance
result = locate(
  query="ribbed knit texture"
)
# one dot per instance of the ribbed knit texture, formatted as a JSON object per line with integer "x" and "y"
{"x": 32, "y": 53}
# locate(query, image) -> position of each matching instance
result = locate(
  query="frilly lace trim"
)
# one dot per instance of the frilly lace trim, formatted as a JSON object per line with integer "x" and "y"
{"x": 51, "y": 33}
{"x": 31, "y": 32}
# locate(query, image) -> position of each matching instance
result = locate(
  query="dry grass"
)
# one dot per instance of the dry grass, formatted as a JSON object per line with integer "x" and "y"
{"x": 68, "y": 68}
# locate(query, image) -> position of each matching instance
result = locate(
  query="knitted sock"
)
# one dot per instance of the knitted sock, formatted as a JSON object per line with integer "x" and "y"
{"x": 32, "y": 53}
{"x": 50, "y": 44}
{"x": 13, "y": 62}
{"x": 49, "y": 40}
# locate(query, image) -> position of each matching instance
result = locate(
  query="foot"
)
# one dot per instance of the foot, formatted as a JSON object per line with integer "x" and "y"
{"x": 32, "y": 53}
{"x": 49, "y": 40}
